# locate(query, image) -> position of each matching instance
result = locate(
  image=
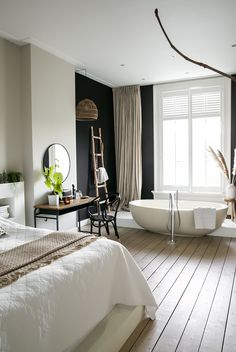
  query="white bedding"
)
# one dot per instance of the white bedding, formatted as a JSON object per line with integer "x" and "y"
{"x": 55, "y": 307}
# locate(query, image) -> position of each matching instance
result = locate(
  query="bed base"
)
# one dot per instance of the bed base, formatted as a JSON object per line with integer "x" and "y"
{"x": 112, "y": 332}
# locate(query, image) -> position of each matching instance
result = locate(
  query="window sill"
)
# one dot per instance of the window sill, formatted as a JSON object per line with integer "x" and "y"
{"x": 214, "y": 197}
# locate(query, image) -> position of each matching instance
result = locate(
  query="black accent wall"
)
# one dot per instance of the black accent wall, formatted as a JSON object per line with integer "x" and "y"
{"x": 233, "y": 120}
{"x": 147, "y": 142}
{"x": 102, "y": 96}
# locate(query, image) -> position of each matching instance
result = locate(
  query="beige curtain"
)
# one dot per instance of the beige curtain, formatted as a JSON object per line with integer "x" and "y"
{"x": 128, "y": 129}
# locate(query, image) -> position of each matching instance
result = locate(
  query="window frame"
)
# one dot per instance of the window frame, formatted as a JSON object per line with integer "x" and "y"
{"x": 158, "y": 90}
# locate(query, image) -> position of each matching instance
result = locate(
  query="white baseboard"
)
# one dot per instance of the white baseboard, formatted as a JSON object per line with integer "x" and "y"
{"x": 128, "y": 223}
{"x": 228, "y": 229}
{"x": 85, "y": 222}
{"x": 121, "y": 222}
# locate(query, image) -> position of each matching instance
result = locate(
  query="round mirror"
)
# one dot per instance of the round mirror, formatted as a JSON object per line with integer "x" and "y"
{"x": 57, "y": 154}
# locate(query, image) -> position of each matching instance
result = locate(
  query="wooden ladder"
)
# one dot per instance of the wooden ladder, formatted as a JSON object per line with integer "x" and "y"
{"x": 98, "y": 159}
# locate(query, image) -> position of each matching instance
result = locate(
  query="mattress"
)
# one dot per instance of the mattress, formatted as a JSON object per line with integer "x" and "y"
{"x": 55, "y": 307}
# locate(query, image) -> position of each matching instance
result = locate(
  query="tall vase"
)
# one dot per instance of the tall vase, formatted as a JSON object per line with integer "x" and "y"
{"x": 230, "y": 191}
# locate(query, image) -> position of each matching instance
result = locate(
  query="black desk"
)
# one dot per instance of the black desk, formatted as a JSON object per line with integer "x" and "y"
{"x": 53, "y": 212}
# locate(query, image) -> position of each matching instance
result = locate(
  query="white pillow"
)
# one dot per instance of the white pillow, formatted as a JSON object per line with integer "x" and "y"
{"x": 8, "y": 224}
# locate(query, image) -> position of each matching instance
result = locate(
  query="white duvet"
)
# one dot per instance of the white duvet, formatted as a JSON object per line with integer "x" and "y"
{"x": 52, "y": 309}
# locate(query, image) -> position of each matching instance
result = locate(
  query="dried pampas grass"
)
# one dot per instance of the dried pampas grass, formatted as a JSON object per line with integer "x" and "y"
{"x": 220, "y": 161}
{"x": 234, "y": 168}
{"x": 223, "y": 163}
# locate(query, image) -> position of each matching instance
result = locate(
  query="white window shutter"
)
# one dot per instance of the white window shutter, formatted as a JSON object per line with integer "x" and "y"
{"x": 207, "y": 103}
{"x": 175, "y": 105}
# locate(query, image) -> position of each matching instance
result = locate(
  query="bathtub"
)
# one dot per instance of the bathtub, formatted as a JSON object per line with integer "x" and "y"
{"x": 154, "y": 215}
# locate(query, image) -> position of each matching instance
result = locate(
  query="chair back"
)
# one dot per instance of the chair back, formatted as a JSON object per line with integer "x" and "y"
{"x": 107, "y": 202}
{"x": 113, "y": 202}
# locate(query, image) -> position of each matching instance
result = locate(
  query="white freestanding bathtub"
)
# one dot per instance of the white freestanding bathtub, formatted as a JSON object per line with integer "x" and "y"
{"x": 154, "y": 215}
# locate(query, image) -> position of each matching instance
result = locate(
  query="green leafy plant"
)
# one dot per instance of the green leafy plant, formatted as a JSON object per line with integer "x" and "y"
{"x": 53, "y": 179}
{"x": 15, "y": 176}
{"x": 11, "y": 177}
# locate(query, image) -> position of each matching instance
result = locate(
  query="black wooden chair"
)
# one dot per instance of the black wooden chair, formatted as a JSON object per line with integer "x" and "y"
{"x": 99, "y": 212}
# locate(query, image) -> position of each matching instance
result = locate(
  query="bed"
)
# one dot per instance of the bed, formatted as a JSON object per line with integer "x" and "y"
{"x": 55, "y": 307}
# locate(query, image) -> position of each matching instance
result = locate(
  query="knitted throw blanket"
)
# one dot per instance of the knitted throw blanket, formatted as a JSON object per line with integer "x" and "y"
{"x": 23, "y": 259}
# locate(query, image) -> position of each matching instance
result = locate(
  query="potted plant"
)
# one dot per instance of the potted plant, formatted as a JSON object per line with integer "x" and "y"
{"x": 53, "y": 181}
{"x": 14, "y": 176}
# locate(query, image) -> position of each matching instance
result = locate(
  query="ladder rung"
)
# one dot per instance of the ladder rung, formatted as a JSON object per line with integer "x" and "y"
{"x": 96, "y": 137}
{"x": 97, "y": 157}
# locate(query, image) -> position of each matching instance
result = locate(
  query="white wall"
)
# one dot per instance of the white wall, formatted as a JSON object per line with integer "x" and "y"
{"x": 27, "y": 144}
{"x": 10, "y": 107}
{"x": 52, "y": 109}
{"x": 37, "y": 108}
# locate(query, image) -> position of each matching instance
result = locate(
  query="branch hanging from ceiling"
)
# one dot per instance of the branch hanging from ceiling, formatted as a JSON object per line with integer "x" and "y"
{"x": 233, "y": 78}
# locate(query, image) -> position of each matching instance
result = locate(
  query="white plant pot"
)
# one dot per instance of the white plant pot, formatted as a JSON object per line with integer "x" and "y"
{"x": 53, "y": 199}
{"x": 230, "y": 191}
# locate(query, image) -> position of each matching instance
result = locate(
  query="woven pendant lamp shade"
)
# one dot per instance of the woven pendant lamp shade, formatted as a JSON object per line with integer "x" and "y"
{"x": 86, "y": 110}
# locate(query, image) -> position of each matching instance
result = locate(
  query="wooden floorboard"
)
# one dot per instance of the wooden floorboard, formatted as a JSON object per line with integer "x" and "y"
{"x": 215, "y": 328}
{"x": 229, "y": 343}
{"x": 171, "y": 334}
{"x": 195, "y": 326}
{"x": 194, "y": 285}
{"x": 154, "y": 330}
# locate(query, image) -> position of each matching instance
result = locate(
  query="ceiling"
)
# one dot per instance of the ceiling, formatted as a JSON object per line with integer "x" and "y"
{"x": 119, "y": 42}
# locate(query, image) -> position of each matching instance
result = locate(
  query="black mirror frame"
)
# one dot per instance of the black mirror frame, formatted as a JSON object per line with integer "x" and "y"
{"x": 44, "y": 157}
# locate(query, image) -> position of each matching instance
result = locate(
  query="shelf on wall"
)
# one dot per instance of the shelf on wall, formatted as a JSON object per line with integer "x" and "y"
{"x": 12, "y": 194}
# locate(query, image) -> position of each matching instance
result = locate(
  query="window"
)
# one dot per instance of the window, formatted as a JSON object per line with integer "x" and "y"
{"x": 189, "y": 117}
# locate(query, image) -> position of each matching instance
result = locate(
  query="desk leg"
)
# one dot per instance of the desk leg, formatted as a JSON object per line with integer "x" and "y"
{"x": 232, "y": 211}
{"x": 35, "y": 218}
{"x": 57, "y": 222}
{"x": 78, "y": 220}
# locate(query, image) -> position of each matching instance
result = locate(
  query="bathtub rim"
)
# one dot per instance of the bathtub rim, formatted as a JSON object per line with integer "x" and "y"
{"x": 198, "y": 204}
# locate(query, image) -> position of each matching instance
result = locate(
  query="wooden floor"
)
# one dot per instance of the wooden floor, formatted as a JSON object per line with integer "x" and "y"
{"x": 194, "y": 285}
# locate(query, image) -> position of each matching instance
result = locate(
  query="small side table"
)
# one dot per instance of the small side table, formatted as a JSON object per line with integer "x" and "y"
{"x": 53, "y": 212}
{"x": 231, "y": 203}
